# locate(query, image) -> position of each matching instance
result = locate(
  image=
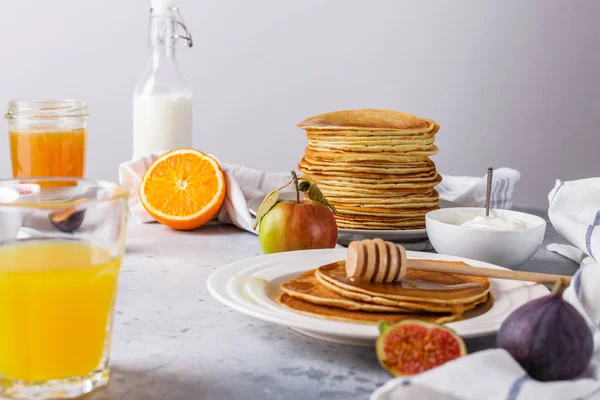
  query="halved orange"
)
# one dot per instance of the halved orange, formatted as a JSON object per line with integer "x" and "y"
{"x": 183, "y": 189}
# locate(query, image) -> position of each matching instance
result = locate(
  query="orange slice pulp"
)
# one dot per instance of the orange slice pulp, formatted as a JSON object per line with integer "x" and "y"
{"x": 183, "y": 189}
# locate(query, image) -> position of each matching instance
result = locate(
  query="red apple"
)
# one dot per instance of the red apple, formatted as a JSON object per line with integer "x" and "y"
{"x": 292, "y": 225}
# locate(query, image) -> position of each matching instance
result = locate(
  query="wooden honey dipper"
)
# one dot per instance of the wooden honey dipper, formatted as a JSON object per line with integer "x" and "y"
{"x": 385, "y": 262}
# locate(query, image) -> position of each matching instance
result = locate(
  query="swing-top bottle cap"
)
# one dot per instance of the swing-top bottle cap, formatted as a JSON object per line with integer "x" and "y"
{"x": 162, "y": 7}
{"x": 167, "y": 8}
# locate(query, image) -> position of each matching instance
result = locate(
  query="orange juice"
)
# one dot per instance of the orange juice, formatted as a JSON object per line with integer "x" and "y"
{"x": 56, "y": 301}
{"x": 48, "y": 154}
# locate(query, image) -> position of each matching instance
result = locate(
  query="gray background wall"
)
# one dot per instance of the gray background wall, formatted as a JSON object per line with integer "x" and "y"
{"x": 512, "y": 83}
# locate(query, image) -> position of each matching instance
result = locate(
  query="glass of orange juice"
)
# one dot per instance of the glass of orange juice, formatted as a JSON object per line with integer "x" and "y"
{"x": 47, "y": 138}
{"x": 58, "y": 282}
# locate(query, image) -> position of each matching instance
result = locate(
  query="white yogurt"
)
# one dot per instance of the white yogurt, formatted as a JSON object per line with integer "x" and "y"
{"x": 493, "y": 223}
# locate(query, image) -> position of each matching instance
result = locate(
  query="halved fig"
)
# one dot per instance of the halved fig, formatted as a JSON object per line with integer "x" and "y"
{"x": 412, "y": 346}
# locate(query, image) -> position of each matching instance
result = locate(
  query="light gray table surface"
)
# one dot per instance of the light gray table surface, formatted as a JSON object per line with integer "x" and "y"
{"x": 172, "y": 340}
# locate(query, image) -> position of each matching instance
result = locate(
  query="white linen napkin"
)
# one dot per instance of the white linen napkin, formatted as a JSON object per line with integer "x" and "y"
{"x": 244, "y": 184}
{"x": 10, "y": 221}
{"x": 467, "y": 191}
{"x": 575, "y": 214}
{"x": 494, "y": 374}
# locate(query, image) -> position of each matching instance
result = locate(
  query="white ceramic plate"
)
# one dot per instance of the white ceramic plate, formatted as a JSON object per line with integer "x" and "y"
{"x": 250, "y": 286}
{"x": 345, "y": 236}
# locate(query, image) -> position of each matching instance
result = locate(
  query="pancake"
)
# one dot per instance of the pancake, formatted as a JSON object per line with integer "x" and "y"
{"x": 358, "y": 157}
{"x": 368, "y": 120}
{"x": 382, "y": 209}
{"x": 403, "y": 201}
{"x": 371, "y": 147}
{"x": 406, "y": 177}
{"x": 379, "y": 198}
{"x": 417, "y": 210}
{"x": 383, "y": 181}
{"x": 371, "y": 137}
{"x": 392, "y": 189}
{"x": 379, "y": 227}
{"x": 423, "y": 176}
{"x": 374, "y": 184}
{"x": 309, "y": 165}
{"x": 418, "y": 286}
{"x": 306, "y": 287}
{"x": 365, "y": 192}
{"x": 374, "y": 140}
{"x": 364, "y": 317}
{"x": 348, "y": 172}
{"x": 412, "y": 224}
{"x": 354, "y": 170}
{"x": 400, "y": 201}
{"x": 409, "y": 305}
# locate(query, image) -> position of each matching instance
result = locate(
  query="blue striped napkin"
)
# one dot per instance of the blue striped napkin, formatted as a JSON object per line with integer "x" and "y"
{"x": 574, "y": 210}
{"x": 494, "y": 374}
{"x": 485, "y": 375}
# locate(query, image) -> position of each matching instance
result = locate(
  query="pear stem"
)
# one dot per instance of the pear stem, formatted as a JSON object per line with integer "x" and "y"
{"x": 295, "y": 180}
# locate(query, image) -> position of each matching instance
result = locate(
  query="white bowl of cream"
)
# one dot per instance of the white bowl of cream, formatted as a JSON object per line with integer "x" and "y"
{"x": 506, "y": 238}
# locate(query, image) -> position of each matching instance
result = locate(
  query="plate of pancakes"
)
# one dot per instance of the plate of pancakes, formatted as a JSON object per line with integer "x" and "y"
{"x": 309, "y": 292}
{"x": 374, "y": 166}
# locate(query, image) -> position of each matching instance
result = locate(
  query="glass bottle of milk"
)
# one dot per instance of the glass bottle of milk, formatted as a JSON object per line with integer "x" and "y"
{"x": 162, "y": 100}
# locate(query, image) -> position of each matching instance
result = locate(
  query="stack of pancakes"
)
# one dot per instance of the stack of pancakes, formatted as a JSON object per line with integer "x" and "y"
{"x": 431, "y": 296}
{"x": 373, "y": 166}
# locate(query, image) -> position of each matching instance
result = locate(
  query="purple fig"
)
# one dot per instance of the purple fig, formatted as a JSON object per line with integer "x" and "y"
{"x": 548, "y": 337}
{"x": 67, "y": 220}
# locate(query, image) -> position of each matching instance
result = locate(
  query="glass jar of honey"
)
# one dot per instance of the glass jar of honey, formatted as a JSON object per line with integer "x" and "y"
{"x": 47, "y": 138}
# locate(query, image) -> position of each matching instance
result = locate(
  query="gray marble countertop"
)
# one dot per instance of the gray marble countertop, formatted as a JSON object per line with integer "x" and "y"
{"x": 172, "y": 341}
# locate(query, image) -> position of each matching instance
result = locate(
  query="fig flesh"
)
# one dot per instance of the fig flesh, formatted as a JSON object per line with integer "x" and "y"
{"x": 67, "y": 220}
{"x": 548, "y": 337}
{"x": 410, "y": 346}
